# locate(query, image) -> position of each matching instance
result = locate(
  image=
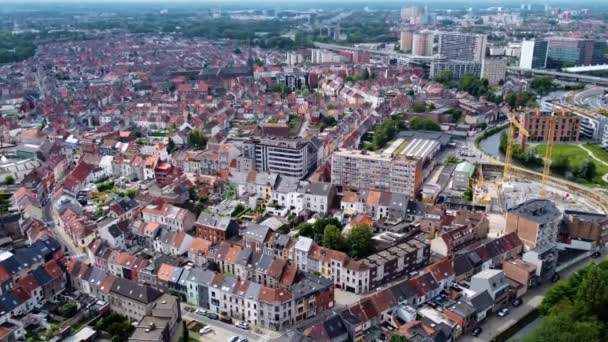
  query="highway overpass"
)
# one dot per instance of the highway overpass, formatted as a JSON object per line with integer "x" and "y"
{"x": 560, "y": 75}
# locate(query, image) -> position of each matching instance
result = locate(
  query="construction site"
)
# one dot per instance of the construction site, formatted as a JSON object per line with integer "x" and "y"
{"x": 500, "y": 185}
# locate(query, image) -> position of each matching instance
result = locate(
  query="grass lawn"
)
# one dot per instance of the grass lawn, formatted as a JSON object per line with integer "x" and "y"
{"x": 576, "y": 156}
{"x": 598, "y": 152}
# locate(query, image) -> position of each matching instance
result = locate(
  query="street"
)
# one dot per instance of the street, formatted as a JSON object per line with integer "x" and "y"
{"x": 64, "y": 240}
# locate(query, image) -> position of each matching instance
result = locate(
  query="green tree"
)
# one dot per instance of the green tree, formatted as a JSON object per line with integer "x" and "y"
{"x": 197, "y": 139}
{"x": 305, "y": 229}
{"x": 359, "y": 241}
{"x": 398, "y": 338}
{"x": 9, "y": 180}
{"x": 560, "y": 165}
{"x": 444, "y": 77}
{"x": 171, "y": 146}
{"x": 565, "y": 324}
{"x": 592, "y": 294}
{"x": 332, "y": 238}
{"x": 421, "y": 124}
{"x": 586, "y": 170}
{"x": 468, "y": 195}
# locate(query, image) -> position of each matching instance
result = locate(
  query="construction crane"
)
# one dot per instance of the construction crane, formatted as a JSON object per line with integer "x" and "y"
{"x": 548, "y": 155}
{"x": 509, "y": 153}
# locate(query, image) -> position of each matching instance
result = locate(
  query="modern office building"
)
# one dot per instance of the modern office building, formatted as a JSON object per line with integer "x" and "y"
{"x": 422, "y": 43}
{"x": 494, "y": 70}
{"x": 536, "y": 222}
{"x": 592, "y": 126}
{"x": 358, "y": 170}
{"x": 405, "y": 41}
{"x": 293, "y": 157}
{"x": 458, "y": 68}
{"x": 462, "y": 46}
{"x": 533, "y": 54}
{"x": 321, "y": 56}
{"x": 563, "y": 51}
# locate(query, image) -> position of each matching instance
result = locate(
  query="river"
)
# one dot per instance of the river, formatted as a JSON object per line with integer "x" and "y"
{"x": 491, "y": 145}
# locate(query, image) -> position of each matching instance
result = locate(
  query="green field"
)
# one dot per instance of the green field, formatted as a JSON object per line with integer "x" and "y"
{"x": 576, "y": 156}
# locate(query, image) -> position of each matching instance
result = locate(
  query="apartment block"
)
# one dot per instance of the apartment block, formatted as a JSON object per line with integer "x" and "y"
{"x": 358, "y": 170}
{"x": 535, "y": 221}
{"x": 567, "y": 127}
{"x": 292, "y": 157}
{"x": 462, "y": 46}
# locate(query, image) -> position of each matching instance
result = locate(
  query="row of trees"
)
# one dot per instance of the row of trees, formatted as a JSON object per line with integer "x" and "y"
{"x": 576, "y": 309}
{"x": 469, "y": 83}
{"x": 586, "y": 170}
{"x": 327, "y": 232}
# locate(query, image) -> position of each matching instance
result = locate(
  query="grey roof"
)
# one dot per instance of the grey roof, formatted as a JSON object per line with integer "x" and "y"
{"x": 176, "y": 274}
{"x": 134, "y": 291}
{"x": 334, "y": 327}
{"x": 318, "y": 188}
{"x": 200, "y": 276}
{"x": 403, "y": 291}
{"x": 216, "y": 222}
{"x": 482, "y": 301}
{"x": 281, "y": 241}
{"x": 183, "y": 277}
{"x": 287, "y": 184}
{"x": 538, "y": 210}
{"x": 253, "y": 291}
{"x": 463, "y": 309}
{"x": 244, "y": 257}
{"x": 309, "y": 284}
{"x": 96, "y": 276}
{"x": 256, "y": 232}
{"x": 263, "y": 264}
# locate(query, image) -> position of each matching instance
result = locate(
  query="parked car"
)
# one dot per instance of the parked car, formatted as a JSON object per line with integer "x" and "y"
{"x": 226, "y": 319}
{"x": 477, "y": 331}
{"x": 201, "y": 312}
{"x": 233, "y": 339}
{"x": 596, "y": 255}
{"x": 503, "y": 312}
{"x": 555, "y": 278}
{"x": 211, "y": 315}
{"x": 242, "y": 325}
{"x": 205, "y": 330}
{"x": 516, "y": 302}
{"x": 243, "y": 339}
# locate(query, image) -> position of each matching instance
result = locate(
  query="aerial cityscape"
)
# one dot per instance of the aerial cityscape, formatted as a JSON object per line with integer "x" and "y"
{"x": 303, "y": 171}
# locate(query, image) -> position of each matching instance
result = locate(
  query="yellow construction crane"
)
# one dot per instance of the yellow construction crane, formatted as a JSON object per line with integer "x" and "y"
{"x": 548, "y": 154}
{"x": 509, "y": 153}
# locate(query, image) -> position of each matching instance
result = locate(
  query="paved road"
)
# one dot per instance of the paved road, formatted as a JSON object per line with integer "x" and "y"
{"x": 252, "y": 336}
{"x": 64, "y": 240}
{"x": 495, "y": 325}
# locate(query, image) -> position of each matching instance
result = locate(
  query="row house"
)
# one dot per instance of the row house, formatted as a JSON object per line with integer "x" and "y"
{"x": 125, "y": 265}
{"x": 173, "y": 242}
{"x": 216, "y": 228}
{"x": 124, "y": 209}
{"x": 246, "y": 263}
{"x": 26, "y": 259}
{"x": 80, "y": 230}
{"x": 376, "y": 204}
{"x": 128, "y": 297}
{"x": 170, "y": 216}
{"x": 361, "y": 276}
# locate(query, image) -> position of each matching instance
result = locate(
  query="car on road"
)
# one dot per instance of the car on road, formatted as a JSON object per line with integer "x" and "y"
{"x": 225, "y": 319}
{"x": 596, "y": 255}
{"x": 243, "y": 339}
{"x": 242, "y": 325}
{"x": 201, "y": 312}
{"x": 205, "y": 330}
{"x": 516, "y": 302}
{"x": 211, "y": 315}
{"x": 233, "y": 339}
{"x": 555, "y": 277}
{"x": 477, "y": 331}
{"x": 503, "y": 312}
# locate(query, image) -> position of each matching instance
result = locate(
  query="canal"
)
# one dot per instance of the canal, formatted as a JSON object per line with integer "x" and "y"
{"x": 526, "y": 330}
{"x": 491, "y": 145}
